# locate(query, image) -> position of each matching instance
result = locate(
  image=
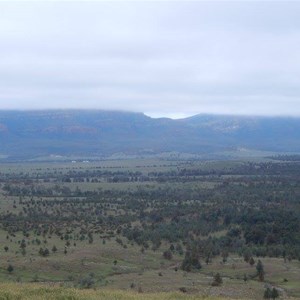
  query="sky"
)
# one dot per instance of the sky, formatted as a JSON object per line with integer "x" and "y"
{"x": 163, "y": 58}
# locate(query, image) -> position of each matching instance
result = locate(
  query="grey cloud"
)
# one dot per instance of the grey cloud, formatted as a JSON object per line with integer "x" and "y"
{"x": 162, "y": 58}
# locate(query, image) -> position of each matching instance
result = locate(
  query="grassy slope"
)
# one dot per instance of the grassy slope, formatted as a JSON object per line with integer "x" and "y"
{"x": 34, "y": 291}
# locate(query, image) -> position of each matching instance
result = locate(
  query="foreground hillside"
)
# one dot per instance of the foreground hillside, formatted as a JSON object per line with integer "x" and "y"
{"x": 40, "y": 292}
{"x": 70, "y": 134}
{"x": 12, "y": 291}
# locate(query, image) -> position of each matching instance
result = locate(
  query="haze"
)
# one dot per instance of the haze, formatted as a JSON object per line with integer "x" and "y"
{"x": 162, "y": 58}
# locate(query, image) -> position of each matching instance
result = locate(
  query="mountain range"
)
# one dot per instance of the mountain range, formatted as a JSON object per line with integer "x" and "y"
{"x": 97, "y": 133}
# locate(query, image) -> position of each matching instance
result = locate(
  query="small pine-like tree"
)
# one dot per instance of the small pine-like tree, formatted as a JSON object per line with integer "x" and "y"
{"x": 260, "y": 270}
{"x": 23, "y": 251}
{"x": 217, "y": 280}
{"x": 23, "y": 244}
{"x": 10, "y": 268}
{"x": 225, "y": 256}
{"x": 44, "y": 252}
{"x": 190, "y": 262}
{"x": 247, "y": 256}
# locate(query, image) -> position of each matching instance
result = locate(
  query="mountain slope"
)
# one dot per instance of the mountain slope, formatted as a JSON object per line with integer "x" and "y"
{"x": 26, "y": 134}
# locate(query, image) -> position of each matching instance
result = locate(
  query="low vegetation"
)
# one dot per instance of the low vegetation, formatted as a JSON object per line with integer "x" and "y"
{"x": 39, "y": 292}
{"x": 228, "y": 228}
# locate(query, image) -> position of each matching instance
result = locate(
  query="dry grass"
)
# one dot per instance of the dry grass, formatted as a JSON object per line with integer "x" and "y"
{"x": 37, "y": 291}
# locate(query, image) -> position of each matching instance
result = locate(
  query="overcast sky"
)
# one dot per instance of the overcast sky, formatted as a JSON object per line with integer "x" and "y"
{"x": 162, "y": 58}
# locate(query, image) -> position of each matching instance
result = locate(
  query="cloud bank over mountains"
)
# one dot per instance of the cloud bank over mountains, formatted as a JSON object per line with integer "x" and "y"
{"x": 162, "y": 58}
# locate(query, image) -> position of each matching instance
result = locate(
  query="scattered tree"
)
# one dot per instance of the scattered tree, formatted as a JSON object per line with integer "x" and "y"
{"x": 260, "y": 270}
{"x": 10, "y": 268}
{"x": 217, "y": 280}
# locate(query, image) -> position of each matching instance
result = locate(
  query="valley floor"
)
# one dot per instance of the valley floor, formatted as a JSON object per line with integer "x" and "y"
{"x": 123, "y": 229}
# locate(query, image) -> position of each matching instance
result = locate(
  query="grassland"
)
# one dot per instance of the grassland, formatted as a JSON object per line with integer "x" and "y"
{"x": 42, "y": 292}
{"x": 114, "y": 270}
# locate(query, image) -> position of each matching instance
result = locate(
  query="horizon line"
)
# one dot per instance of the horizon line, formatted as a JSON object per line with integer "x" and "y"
{"x": 153, "y": 115}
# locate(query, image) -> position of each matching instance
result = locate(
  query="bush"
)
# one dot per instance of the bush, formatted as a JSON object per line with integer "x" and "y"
{"x": 44, "y": 252}
{"x": 190, "y": 262}
{"x": 86, "y": 282}
{"x": 10, "y": 268}
{"x": 168, "y": 254}
{"x": 271, "y": 294}
{"x": 183, "y": 289}
{"x": 260, "y": 270}
{"x": 251, "y": 261}
{"x": 217, "y": 280}
{"x": 274, "y": 293}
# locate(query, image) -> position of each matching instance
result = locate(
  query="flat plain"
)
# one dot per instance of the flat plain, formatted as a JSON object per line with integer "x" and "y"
{"x": 131, "y": 224}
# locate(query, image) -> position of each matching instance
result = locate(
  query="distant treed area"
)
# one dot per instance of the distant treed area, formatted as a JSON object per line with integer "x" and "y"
{"x": 191, "y": 211}
{"x": 257, "y": 203}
